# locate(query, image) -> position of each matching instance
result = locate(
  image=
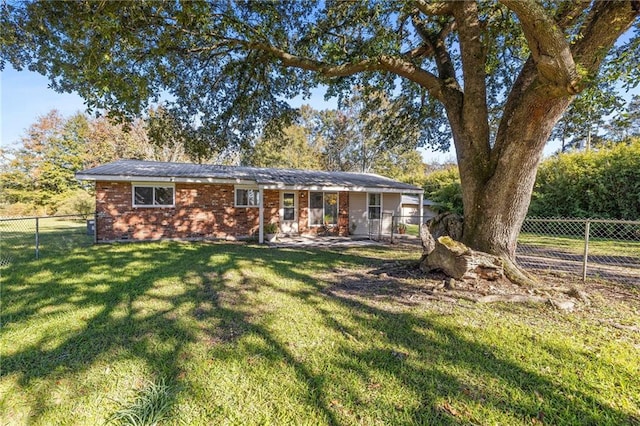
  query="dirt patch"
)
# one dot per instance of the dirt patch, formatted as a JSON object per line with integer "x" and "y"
{"x": 403, "y": 282}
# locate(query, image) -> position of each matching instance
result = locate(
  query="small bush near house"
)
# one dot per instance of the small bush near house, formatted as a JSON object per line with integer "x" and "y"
{"x": 76, "y": 202}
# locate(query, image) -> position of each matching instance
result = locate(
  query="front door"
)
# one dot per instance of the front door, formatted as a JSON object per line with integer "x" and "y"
{"x": 289, "y": 212}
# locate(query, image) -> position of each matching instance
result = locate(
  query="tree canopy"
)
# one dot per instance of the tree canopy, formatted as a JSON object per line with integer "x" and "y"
{"x": 493, "y": 76}
{"x": 228, "y": 67}
{"x": 39, "y": 176}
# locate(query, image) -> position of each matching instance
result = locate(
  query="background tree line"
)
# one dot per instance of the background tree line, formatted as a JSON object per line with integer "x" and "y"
{"x": 38, "y": 177}
{"x": 603, "y": 182}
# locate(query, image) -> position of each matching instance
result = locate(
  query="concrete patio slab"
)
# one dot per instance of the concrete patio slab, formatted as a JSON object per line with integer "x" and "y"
{"x": 326, "y": 242}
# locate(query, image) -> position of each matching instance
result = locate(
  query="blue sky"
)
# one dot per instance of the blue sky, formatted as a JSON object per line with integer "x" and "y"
{"x": 25, "y": 96}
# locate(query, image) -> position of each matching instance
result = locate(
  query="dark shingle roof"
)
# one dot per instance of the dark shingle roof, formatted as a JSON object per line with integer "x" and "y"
{"x": 136, "y": 169}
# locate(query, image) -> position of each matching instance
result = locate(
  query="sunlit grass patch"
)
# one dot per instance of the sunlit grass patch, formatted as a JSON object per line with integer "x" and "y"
{"x": 244, "y": 334}
{"x": 575, "y": 245}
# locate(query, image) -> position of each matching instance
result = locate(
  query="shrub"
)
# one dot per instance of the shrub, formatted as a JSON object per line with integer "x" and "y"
{"x": 76, "y": 202}
{"x": 443, "y": 187}
{"x": 598, "y": 184}
{"x": 19, "y": 209}
{"x": 271, "y": 228}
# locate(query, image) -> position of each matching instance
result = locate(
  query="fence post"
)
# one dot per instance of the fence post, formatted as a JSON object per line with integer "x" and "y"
{"x": 586, "y": 250}
{"x": 393, "y": 225}
{"x": 37, "y": 238}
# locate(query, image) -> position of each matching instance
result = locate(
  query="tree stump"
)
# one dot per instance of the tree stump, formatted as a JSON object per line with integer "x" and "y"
{"x": 445, "y": 224}
{"x": 460, "y": 262}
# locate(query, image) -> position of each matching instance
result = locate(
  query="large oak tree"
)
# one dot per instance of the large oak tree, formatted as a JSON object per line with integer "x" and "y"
{"x": 494, "y": 75}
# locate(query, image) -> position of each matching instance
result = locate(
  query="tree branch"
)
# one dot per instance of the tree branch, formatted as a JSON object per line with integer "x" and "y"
{"x": 434, "y": 9}
{"x": 388, "y": 63}
{"x": 435, "y": 44}
{"x": 412, "y": 72}
{"x": 473, "y": 52}
{"x": 606, "y": 22}
{"x": 570, "y": 11}
{"x": 549, "y": 46}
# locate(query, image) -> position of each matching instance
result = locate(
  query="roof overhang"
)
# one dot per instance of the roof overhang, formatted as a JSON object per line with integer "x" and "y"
{"x": 120, "y": 178}
{"x": 341, "y": 188}
{"x": 231, "y": 181}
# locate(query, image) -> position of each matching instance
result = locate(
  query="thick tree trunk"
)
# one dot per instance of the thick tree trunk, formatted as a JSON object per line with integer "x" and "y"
{"x": 497, "y": 186}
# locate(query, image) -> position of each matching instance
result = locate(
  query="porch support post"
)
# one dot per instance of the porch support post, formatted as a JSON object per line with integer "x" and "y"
{"x": 261, "y": 215}
{"x": 420, "y": 212}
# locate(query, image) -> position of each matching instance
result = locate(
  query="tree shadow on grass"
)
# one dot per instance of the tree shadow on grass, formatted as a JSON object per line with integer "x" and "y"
{"x": 107, "y": 283}
{"x": 419, "y": 361}
{"x": 125, "y": 316}
{"x": 212, "y": 303}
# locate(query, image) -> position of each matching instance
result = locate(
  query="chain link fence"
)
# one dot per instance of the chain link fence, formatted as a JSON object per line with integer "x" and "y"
{"x": 396, "y": 228}
{"x": 589, "y": 248}
{"x": 586, "y": 248}
{"x": 26, "y": 238}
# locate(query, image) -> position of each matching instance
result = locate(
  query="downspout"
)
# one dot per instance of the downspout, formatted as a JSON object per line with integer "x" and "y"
{"x": 261, "y": 215}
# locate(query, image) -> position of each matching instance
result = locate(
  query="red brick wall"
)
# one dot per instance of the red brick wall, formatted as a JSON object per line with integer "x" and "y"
{"x": 303, "y": 212}
{"x": 201, "y": 211}
{"x": 271, "y": 206}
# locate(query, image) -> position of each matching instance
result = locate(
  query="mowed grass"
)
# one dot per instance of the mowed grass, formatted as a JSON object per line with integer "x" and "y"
{"x": 56, "y": 236}
{"x": 213, "y": 333}
{"x": 575, "y": 245}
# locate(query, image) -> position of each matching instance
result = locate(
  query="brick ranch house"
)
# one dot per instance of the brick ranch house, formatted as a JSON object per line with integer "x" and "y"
{"x": 146, "y": 200}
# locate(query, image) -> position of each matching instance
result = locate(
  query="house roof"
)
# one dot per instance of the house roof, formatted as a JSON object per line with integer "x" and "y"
{"x": 152, "y": 171}
{"x": 413, "y": 200}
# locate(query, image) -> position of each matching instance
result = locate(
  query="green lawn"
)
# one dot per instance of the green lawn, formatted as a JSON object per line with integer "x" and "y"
{"x": 575, "y": 245}
{"x": 57, "y": 236}
{"x": 213, "y": 333}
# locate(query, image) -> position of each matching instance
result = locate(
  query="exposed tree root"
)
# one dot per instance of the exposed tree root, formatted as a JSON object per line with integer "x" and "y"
{"x": 514, "y": 298}
{"x": 517, "y": 275}
{"x": 562, "y": 305}
{"x": 621, "y": 326}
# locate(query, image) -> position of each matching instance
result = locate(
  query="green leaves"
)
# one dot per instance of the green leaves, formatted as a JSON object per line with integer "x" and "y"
{"x": 597, "y": 184}
{"x": 443, "y": 187}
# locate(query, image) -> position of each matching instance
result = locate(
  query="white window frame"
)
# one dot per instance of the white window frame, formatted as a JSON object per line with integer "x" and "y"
{"x": 374, "y": 205}
{"x": 153, "y": 185}
{"x": 323, "y": 212}
{"x": 246, "y": 188}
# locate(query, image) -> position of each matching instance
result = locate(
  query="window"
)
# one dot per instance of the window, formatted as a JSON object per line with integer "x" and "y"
{"x": 323, "y": 208}
{"x": 153, "y": 196}
{"x": 288, "y": 206}
{"x": 375, "y": 204}
{"x": 247, "y": 197}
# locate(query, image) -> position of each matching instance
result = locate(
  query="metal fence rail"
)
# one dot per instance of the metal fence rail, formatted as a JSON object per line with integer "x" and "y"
{"x": 392, "y": 227}
{"x": 585, "y": 248}
{"x": 26, "y": 238}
